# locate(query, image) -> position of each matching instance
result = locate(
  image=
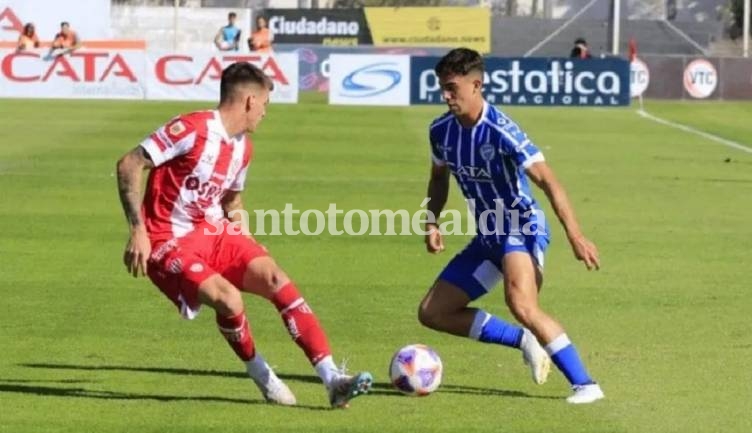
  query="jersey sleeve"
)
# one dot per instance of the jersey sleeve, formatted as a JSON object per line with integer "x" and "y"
{"x": 172, "y": 140}
{"x": 515, "y": 143}
{"x": 436, "y": 155}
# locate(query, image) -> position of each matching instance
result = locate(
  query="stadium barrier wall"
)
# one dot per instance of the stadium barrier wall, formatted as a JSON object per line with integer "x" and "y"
{"x": 697, "y": 78}
{"x": 381, "y": 78}
{"x": 135, "y": 74}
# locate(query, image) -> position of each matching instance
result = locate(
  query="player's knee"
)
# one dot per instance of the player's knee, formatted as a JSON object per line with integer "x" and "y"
{"x": 228, "y": 301}
{"x": 428, "y": 317}
{"x": 265, "y": 278}
{"x": 273, "y": 280}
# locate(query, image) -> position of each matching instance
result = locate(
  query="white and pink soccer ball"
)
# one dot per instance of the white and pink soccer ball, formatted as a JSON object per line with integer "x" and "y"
{"x": 416, "y": 370}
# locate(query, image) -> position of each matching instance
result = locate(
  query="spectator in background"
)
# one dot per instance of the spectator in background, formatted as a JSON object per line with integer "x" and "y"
{"x": 580, "y": 50}
{"x": 260, "y": 40}
{"x": 28, "y": 39}
{"x": 228, "y": 37}
{"x": 65, "y": 42}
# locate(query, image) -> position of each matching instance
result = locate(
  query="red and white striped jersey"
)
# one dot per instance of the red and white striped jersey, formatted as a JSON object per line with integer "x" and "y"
{"x": 195, "y": 163}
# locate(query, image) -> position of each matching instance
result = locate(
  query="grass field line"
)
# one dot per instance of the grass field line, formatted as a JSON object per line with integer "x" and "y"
{"x": 691, "y": 130}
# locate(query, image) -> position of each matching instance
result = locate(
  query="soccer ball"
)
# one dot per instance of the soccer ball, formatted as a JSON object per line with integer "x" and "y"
{"x": 416, "y": 370}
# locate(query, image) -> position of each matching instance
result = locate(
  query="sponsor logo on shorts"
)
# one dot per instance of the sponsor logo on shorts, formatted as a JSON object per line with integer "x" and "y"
{"x": 163, "y": 249}
{"x": 175, "y": 266}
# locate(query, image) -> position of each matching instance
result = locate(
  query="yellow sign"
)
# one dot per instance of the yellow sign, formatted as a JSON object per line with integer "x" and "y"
{"x": 431, "y": 27}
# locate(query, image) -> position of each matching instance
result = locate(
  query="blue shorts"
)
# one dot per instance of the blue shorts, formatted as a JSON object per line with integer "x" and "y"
{"x": 477, "y": 268}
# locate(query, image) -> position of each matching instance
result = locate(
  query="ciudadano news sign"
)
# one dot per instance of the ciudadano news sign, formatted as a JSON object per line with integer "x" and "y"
{"x": 384, "y": 27}
{"x": 535, "y": 81}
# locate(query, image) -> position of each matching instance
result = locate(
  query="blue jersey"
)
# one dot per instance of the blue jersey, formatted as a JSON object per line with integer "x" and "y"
{"x": 230, "y": 33}
{"x": 488, "y": 161}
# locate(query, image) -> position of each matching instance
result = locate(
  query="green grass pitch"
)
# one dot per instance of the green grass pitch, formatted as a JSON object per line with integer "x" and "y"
{"x": 664, "y": 326}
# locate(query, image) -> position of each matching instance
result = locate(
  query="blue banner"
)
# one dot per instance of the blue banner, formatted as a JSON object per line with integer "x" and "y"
{"x": 535, "y": 81}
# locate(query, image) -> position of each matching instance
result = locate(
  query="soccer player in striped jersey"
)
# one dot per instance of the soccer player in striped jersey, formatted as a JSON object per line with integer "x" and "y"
{"x": 491, "y": 159}
{"x": 198, "y": 164}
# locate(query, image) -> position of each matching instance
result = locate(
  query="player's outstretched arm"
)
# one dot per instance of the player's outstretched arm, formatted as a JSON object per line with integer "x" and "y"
{"x": 129, "y": 174}
{"x": 544, "y": 177}
{"x": 438, "y": 191}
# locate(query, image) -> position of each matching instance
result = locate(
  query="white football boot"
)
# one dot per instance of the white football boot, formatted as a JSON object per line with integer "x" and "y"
{"x": 271, "y": 387}
{"x": 584, "y": 394}
{"x": 535, "y": 357}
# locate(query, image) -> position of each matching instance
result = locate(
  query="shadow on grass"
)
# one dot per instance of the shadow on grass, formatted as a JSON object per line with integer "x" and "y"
{"x": 11, "y": 386}
{"x": 379, "y": 388}
{"x": 387, "y": 388}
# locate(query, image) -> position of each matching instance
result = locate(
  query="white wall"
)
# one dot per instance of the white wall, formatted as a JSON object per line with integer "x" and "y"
{"x": 196, "y": 26}
{"x": 286, "y": 4}
{"x": 91, "y": 20}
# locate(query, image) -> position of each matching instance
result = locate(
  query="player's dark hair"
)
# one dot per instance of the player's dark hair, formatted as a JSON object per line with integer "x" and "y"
{"x": 232, "y": 15}
{"x": 65, "y": 23}
{"x": 241, "y": 73}
{"x": 459, "y": 61}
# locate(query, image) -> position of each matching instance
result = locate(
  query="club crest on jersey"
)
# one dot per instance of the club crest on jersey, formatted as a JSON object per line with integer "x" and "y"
{"x": 177, "y": 128}
{"x": 480, "y": 174}
{"x": 487, "y": 151}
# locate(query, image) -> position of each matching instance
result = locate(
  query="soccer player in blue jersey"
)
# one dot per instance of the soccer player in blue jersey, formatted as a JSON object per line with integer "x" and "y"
{"x": 491, "y": 159}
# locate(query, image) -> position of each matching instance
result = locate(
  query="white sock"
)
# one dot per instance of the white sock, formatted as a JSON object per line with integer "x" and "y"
{"x": 327, "y": 370}
{"x": 557, "y": 344}
{"x": 480, "y": 320}
{"x": 257, "y": 367}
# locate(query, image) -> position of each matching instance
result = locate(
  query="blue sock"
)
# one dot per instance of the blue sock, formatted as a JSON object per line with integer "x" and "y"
{"x": 566, "y": 358}
{"x": 491, "y": 329}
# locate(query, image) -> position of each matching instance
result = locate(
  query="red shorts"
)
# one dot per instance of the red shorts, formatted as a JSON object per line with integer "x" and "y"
{"x": 178, "y": 266}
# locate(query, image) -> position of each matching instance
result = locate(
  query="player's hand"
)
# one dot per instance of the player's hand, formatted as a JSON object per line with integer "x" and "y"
{"x": 586, "y": 251}
{"x": 434, "y": 241}
{"x": 137, "y": 252}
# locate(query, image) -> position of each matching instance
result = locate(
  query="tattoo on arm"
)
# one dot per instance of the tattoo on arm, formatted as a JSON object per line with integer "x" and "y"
{"x": 129, "y": 170}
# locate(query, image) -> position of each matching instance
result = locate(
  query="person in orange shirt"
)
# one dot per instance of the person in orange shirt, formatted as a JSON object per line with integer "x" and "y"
{"x": 66, "y": 40}
{"x": 260, "y": 40}
{"x": 28, "y": 39}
